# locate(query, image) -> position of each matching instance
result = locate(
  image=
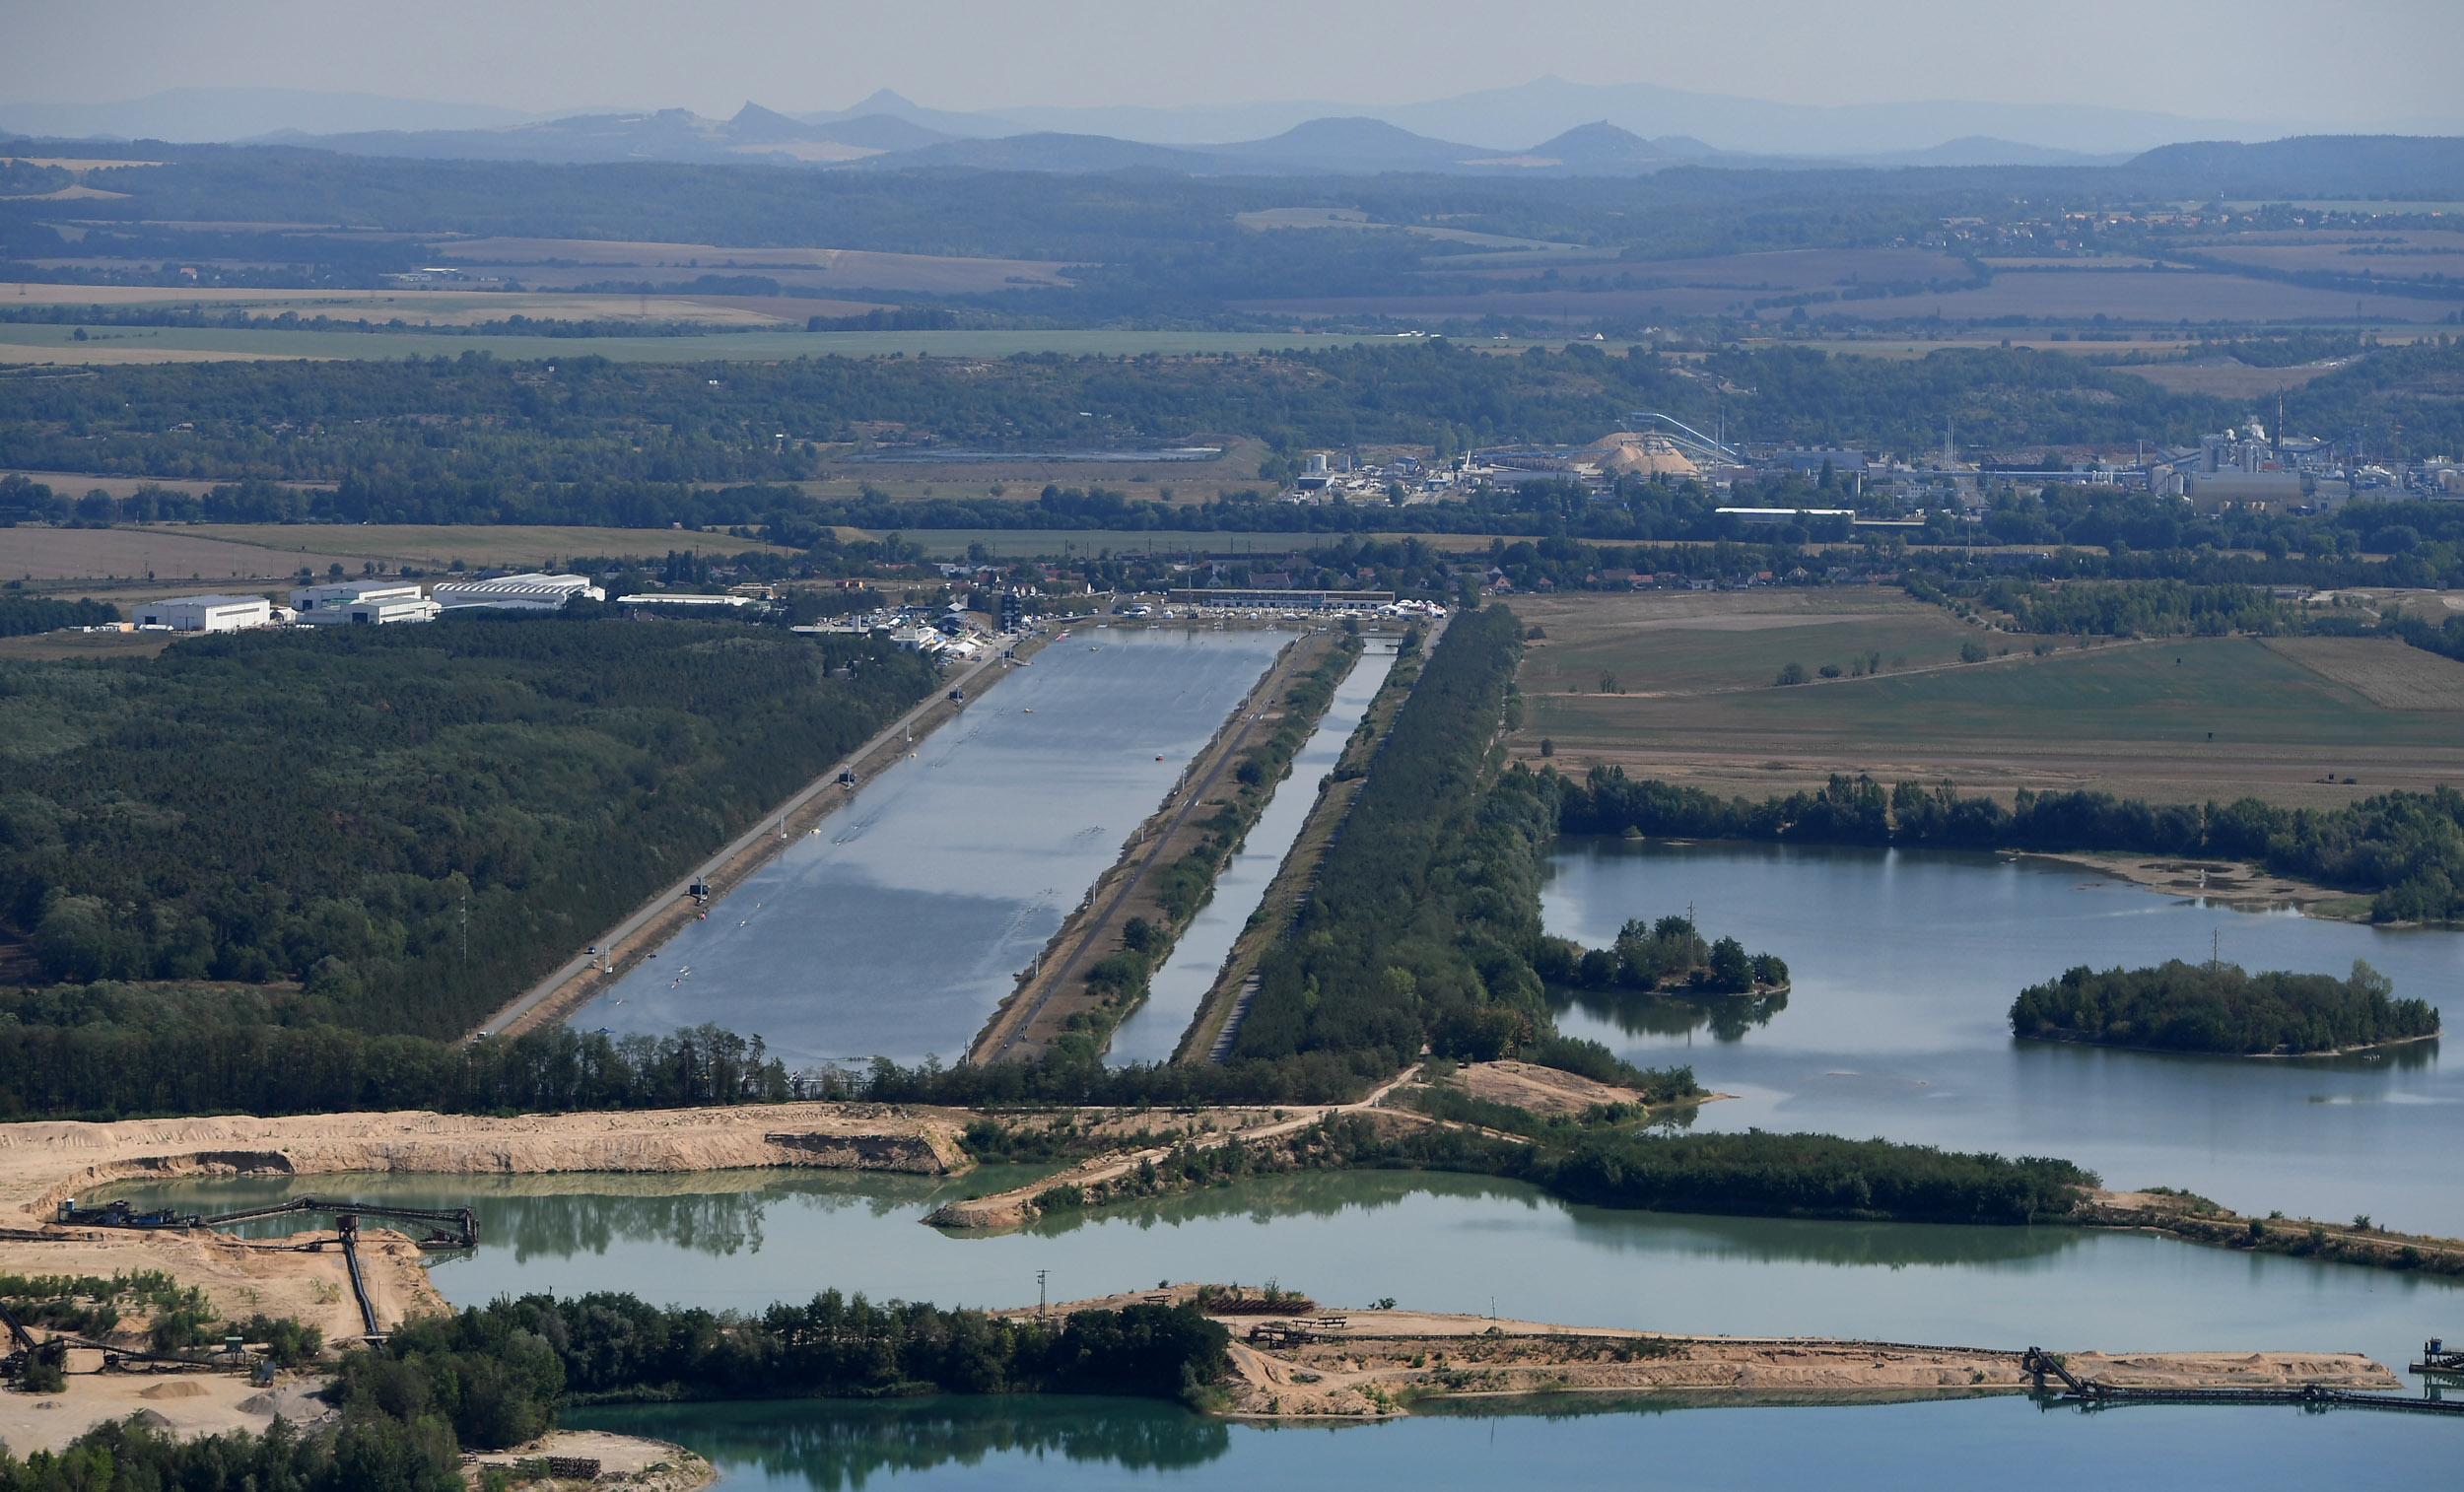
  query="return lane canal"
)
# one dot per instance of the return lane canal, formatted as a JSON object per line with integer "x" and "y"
{"x": 897, "y": 928}
{"x": 1154, "y": 1029}
{"x": 1905, "y": 964}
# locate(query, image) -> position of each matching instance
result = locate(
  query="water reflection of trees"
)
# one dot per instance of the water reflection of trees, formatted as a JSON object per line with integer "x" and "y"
{"x": 1728, "y": 1017}
{"x": 1757, "y": 1240}
{"x": 1294, "y": 1193}
{"x": 834, "y": 1444}
{"x": 559, "y": 1216}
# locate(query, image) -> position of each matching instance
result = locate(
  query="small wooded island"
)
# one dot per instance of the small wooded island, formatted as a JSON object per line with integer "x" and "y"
{"x": 1669, "y": 955}
{"x": 2217, "y": 1008}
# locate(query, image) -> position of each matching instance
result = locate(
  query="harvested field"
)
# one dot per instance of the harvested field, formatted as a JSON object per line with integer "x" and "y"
{"x": 479, "y": 545}
{"x": 184, "y": 553}
{"x": 2123, "y": 294}
{"x": 2388, "y": 256}
{"x": 2232, "y": 716}
{"x": 2231, "y": 381}
{"x": 52, "y": 647}
{"x": 446, "y": 308}
{"x": 549, "y": 261}
{"x": 1678, "y": 642}
{"x": 54, "y": 346}
{"x": 2386, "y": 672}
{"x": 1778, "y": 271}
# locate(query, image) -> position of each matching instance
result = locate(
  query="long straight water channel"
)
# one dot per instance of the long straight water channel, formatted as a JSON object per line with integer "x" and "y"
{"x": 1905, "y": 964}
{"x": 897, "y": 928}
{"x": 1153, "y": 1031}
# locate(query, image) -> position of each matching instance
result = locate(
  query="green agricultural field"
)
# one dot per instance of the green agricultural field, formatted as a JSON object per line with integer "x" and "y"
{"x": 23, "y": 342}
{"x": 1691, "y": 642}
{"x": 2167, "y": 720}
{"x": 2145, "y": 696}
{"x": 478, "y": 545}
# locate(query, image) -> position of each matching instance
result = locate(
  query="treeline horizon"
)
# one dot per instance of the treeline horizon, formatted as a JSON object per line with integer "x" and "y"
{"x": 2405, "y": 850}
{"x": 519, "y": 423}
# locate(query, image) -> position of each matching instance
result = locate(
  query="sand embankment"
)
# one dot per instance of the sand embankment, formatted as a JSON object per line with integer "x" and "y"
{"x": 43, "y": 1164}
{"x": 1369, "y": 1364}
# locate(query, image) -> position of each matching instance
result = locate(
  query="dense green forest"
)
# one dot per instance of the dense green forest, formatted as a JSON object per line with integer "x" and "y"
{"x": 2404, "y": 849}
{"x": 1423, "y": 926}
{"x": 21, "y": 615}
{"x": 399, "y": 826}
{"x": 495, "y": 1377}
{"x": 423, "y": 430}
{"x": 2217, "y": 1008}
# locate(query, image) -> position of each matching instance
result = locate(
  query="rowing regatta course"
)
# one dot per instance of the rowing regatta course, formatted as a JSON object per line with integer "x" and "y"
{"x": 898, "y": 929}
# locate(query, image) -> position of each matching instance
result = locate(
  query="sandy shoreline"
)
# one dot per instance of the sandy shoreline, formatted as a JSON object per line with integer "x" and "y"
{"x": 2231, "y": 883}
{"x": 1376, "y": 1363}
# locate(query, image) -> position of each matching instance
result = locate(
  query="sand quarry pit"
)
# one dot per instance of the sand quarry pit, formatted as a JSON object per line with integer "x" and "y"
{"x": 46, "y": 1163}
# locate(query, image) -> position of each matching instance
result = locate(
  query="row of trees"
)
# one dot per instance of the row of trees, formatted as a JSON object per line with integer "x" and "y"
{"x": 2217, "y": 1008}
{"x": 1756, "y": 1173}
{"x": 107, "y": 1052}
{"x": 1120, "y": 979}
{"x": 2404, "y": 849}
{"x": 495, "y": 1377}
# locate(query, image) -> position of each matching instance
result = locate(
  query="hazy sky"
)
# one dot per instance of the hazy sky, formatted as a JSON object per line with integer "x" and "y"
{"x": 2355, "y": 61}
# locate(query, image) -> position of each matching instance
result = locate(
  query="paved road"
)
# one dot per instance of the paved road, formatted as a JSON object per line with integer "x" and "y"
{"x": 767, "y": 825}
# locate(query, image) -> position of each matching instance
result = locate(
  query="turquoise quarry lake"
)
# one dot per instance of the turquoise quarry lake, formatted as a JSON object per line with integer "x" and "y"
{"x": 1905, "y": 964}
{"x": 2005, "y": 1443}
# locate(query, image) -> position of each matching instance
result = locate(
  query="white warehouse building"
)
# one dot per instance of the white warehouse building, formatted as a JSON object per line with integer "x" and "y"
{"x": 207, "y": 613}
{"x": 526, "y": 592}
{"x": 365, "y": 602}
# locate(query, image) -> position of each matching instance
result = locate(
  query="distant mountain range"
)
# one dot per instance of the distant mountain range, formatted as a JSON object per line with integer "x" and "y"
{"x": 896, "y": 138}
{"x": 889, "y": 132}
{"x": 1494, "y": 123}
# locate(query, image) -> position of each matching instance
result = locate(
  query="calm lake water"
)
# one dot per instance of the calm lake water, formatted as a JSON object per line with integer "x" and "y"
{"x": 1154, "y": 1029}
{"x": 1435, "y": 1242}
{"x": 1905, "y": 964}
{"x": 1652, "y": 1444}
{"x": 898, "y": 929}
